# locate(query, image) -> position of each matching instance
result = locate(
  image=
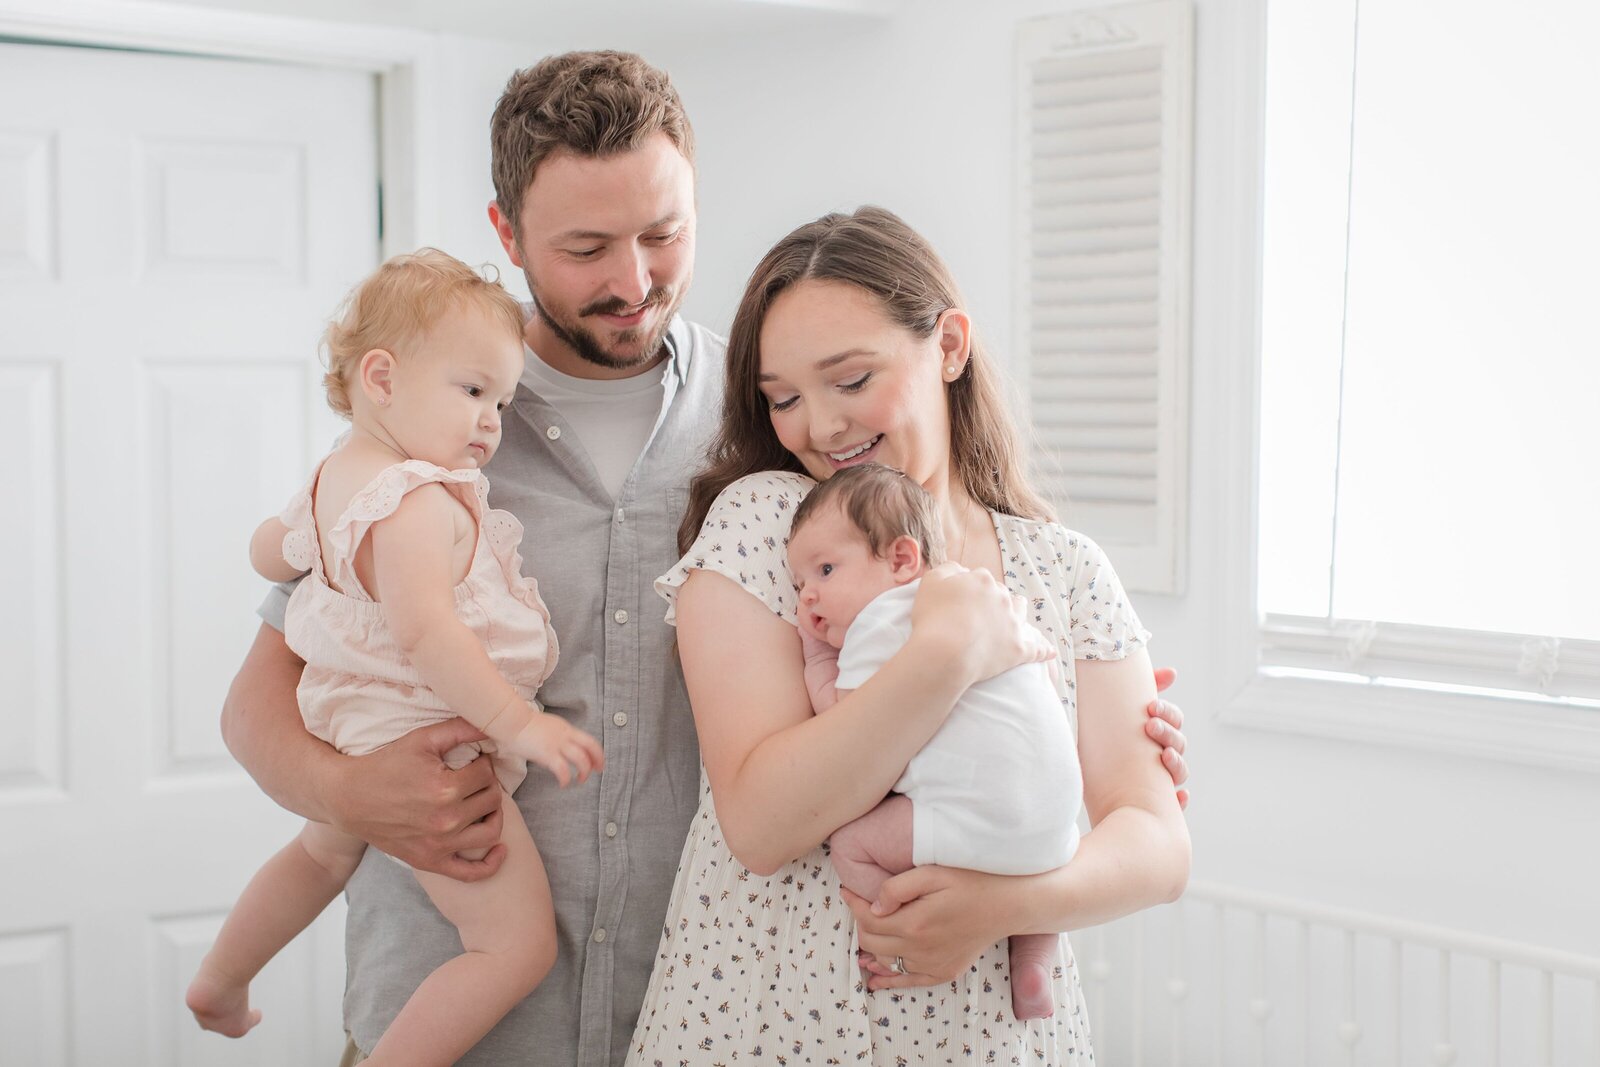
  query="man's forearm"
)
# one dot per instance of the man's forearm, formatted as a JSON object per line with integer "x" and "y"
{"x": 262, "y": 728}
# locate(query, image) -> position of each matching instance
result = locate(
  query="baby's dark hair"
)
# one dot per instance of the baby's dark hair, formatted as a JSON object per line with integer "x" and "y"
{"x": 883, "y": 504}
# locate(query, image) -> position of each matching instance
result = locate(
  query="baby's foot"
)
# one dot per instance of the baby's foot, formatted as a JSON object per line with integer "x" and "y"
{"x": 221, "y": 1005}
{"x": 1030, "y": 990}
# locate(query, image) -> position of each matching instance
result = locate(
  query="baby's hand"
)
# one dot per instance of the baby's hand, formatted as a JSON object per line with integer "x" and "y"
{"x": 816, "y": 650}
{"x": 558, "y": 747}
{"x": 821, "y": 671}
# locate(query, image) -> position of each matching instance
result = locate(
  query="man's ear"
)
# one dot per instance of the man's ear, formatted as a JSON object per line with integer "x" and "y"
{"x": 376, "y": 375}
{"x": 905, "y": 558}
{"x": 508, "y": 235}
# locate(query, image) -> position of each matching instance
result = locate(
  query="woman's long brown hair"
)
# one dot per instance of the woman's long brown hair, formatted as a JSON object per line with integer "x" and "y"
{"x": 873, "y": 250}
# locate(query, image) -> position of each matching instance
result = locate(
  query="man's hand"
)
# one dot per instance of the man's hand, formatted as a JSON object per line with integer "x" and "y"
{"x": 403, "y": 800}
{"x": 1165, "y": 728}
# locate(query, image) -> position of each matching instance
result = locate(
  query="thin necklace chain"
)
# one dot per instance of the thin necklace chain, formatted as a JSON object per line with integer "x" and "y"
{"x": 966, "y": 524}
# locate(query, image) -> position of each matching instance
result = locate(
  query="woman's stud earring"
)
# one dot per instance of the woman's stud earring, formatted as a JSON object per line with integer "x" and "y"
{"x": 950, "y": 370}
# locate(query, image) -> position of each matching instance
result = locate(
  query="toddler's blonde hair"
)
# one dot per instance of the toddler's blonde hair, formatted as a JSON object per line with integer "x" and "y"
{"x": 397, "y": 303}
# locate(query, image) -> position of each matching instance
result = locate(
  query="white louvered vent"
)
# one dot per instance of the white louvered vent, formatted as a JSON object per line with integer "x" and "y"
{"x": 1103, "y": 305}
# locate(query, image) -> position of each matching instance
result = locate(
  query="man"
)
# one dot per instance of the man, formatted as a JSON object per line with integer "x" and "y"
{"x": 593, "y": 161}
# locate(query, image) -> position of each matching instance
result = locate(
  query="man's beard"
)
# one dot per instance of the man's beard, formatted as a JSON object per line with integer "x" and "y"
{"x": 588, "y": 347}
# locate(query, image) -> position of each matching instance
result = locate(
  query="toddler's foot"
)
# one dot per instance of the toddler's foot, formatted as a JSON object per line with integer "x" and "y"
{"x": 220, "y": 1005}
{"x": 1030, "y": 990}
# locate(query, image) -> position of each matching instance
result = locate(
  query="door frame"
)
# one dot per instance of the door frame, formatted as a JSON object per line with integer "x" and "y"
{"x": 405, "y": 62}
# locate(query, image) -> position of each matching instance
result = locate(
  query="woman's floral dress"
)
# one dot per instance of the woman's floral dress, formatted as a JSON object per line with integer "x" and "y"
{"x": 761, "y": 970}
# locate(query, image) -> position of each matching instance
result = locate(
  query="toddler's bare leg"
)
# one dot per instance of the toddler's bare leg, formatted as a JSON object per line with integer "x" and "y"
{"x": 1034, "y": 958}
{"x": 874, "y": 847}
{"x": 286, "y": 894}
{"x": 508, "y": 931}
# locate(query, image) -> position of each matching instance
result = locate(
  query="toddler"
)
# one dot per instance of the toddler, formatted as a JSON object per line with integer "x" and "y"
{"x": 415, "y": 611}
{"x": 998, "y": 788}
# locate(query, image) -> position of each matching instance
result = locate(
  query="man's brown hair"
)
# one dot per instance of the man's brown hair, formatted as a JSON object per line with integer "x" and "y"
{"x": 883, "y": 504}
{"x": 593, "y": 104}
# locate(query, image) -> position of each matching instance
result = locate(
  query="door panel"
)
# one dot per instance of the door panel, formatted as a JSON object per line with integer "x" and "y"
{"x": 174, "y": 232}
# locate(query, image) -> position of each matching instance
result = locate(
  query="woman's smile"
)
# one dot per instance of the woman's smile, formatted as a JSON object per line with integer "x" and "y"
{"x": 861, "y": 453}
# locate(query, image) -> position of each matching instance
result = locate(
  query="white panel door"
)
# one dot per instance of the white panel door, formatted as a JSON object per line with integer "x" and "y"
{"x": 173, "y": 233}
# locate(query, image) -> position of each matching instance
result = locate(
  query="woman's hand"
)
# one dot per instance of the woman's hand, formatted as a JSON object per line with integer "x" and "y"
{"x": 937, "y": 920}
{"x": 969, "y": 617}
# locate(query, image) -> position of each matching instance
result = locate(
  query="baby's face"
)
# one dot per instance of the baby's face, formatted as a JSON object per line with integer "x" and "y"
{"x": 837, "y": 574}
{"x": 449, "y": 395}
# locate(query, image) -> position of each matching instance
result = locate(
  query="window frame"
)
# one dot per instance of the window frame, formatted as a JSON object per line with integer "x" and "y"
{"x": 1452, "y": 692}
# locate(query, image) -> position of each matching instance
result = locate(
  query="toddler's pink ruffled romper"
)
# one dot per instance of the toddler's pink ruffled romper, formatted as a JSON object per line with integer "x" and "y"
{"x": 358, "y": 692}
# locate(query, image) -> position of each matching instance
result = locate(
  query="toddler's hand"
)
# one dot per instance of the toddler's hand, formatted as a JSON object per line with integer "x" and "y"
{"x": 558, "y": 747}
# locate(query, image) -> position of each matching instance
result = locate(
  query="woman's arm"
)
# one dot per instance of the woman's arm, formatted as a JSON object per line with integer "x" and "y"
{"x": 1136, "y": 856}
{"x": 411, "y": 558}
{"x": 402, "y": 798}
{"x": 266, "y": 552}
{"x": 784, "y": 779}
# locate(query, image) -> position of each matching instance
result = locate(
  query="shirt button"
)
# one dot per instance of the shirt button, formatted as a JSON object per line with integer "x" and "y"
{"x": 600, "y": 934}
{"x": 554, "y": 433}
{"x": 620, "y": 718}
{"x": 619, "y": 516}
{"x": 621, "y": 616}
{"x": 611, "y": 829}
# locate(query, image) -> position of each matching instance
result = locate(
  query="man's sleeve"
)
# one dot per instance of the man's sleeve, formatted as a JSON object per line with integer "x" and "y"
{"x": 273, "y": 607}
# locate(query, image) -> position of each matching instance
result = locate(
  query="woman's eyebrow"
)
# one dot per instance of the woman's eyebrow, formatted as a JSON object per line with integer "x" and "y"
{"x": 824, "y": 364}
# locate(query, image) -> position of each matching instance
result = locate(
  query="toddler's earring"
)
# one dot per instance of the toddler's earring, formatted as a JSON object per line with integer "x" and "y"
{"x": 383, "y": 401}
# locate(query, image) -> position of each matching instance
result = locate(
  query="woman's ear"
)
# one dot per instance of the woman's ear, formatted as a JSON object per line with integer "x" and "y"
{"x": 954, "y": 330}
{"x": 376, "y": 372}
{"x": 905, "y": 558}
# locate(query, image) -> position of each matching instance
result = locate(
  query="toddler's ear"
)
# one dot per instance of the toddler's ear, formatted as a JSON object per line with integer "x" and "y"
{"x": 377, "y": 375}
{"x": 905, "y": 558}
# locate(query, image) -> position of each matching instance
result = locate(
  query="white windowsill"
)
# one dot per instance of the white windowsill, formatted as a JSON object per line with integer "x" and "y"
{"x": 1455, "y": 720}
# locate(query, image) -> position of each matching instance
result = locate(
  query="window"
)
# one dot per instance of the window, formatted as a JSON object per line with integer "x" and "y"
{"x": 1430, "y": 439}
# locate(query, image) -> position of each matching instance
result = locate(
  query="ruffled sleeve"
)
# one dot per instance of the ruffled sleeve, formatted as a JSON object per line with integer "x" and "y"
{"x": 503, "y": 534}
{"x": 745, "y": 538}
{"x": 378, "y": 500}
{"x": 300, "y": 540}
{"x": 1104, "y": 625}
{"x": 1074, "y": 596}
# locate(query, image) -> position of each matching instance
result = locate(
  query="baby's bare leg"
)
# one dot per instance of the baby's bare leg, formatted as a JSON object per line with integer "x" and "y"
{"x": 286, "y": 894}
{"x": 508, "y": 930}
{"x": 874, "y": 847}
{"x": 1034, "y": 958}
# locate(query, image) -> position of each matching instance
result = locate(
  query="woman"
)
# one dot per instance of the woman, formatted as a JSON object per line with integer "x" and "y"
{"x": 850, "y": 345}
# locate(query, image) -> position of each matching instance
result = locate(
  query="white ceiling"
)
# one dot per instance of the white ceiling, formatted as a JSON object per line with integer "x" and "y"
{"x": 533, "y": 20}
